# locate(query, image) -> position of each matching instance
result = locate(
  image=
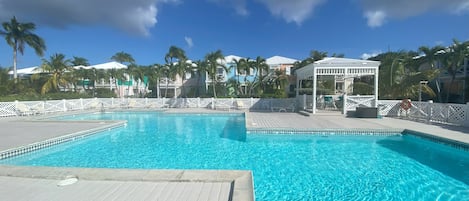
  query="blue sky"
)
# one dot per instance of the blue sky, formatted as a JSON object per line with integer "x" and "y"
{"x": 146, "y": 29}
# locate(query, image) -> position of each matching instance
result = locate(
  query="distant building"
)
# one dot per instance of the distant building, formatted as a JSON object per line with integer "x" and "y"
{"x": 123, "y": 88}
{"x": 281, "y": 63}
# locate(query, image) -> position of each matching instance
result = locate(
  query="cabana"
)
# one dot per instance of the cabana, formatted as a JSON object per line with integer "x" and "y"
{"x": 340, "y": 68}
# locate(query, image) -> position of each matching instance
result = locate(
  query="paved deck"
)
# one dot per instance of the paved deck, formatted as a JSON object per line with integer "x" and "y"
{"x": 40, "y": 183}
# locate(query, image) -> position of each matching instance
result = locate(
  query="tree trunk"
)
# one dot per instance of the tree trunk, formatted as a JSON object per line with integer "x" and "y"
{"x": 166, "y": 90}
{"x": 15, "y": 52}
{"x": 213, "y": 87}
{"x": 438, "y": 90}
{"x": 158, "y": 88}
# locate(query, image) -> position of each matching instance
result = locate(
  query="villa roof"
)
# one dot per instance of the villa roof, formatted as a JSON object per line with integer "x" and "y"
{"x": 26, "y": 71}
{"x": 230, "y": 58}
{"x": 106, "y": 66}
{"x": 280, "y": 60}
{"x": 37, "y": 69}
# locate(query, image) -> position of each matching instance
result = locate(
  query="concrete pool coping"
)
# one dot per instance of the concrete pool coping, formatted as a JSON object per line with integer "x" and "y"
{"x": 18, "y": 133}
{"x": 239, "y": 181}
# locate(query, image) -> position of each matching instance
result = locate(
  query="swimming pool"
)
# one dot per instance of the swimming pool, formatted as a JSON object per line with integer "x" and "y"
{"x": 285, "y": 166}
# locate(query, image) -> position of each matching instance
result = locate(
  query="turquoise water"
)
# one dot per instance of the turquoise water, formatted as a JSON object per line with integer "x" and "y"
{"x": 285, "y": 167}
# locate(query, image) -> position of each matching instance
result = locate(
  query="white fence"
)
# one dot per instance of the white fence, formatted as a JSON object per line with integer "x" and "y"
{"x": 457, "y": 114}
{"x": 445, "y": 113}
{"x": 26, "y": 108}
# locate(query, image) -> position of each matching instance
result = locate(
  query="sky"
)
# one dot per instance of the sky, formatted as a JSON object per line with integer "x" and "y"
{"x": 97, "y": 29}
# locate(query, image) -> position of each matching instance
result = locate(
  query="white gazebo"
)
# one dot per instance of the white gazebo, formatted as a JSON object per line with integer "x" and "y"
{"x": 337, "y": 67}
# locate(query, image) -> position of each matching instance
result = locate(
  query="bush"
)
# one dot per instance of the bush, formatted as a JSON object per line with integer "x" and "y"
{"x": 105, "y": 93}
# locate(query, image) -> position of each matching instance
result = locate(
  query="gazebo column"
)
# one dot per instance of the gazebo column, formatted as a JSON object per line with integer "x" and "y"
{"x": 376, "y": 88}
{"x": 314, "y": 91}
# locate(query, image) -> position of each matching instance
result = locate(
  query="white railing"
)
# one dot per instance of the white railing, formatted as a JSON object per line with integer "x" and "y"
{"x": 445, "y": 113}
{"x": 26, "y": 108}
{"x": 352, "y": 102}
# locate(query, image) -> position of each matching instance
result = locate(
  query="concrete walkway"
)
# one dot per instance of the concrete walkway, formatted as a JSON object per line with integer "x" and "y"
{"x": 334, "y": 120}
{"x": 40, "y": 183}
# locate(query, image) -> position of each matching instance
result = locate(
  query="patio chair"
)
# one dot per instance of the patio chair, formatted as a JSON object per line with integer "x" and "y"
{"x": 132, "y": 104}
{"x": 239, "y": 105}
{"x": 329, "y": 102}
{"x": 24, "y": 110}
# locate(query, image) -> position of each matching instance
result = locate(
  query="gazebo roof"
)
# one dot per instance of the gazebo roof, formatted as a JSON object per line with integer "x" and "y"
{"x": 338, "y": 66}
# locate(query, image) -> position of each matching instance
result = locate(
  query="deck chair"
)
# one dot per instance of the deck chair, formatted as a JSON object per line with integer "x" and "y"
{"x": 24, "y": 110}
{"x": 132, "y": 104}
{"x": 239, "y": 105}
{"x": 329, "y": 102}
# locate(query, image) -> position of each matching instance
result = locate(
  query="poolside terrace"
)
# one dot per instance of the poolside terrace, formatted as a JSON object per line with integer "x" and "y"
{"x": 19, "y": 183}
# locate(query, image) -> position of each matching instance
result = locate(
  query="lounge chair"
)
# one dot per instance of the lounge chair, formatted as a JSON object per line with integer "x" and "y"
{"x": 132, "y": 104}
{"x": 239, "y": 105}
{"x": 24, "y": 110}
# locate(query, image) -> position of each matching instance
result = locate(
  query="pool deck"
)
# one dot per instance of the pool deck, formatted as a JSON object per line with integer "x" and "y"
{"x": 40, "y": 183}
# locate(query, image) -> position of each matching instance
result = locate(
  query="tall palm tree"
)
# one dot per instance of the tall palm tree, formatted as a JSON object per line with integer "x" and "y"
{"x": 177, "y": 59}
{"x": 170, "y": 74}
{"x": 123, "y": 58}
{"x": 453, "y": 59}
{"x": 200, "y": 70}
{"x": 213, "y": 63}
{"x": 18, "y": 34}
{"x": 241, "y": 65}
{"x": 154, "y": 74}
{"x": 431, "y": 57}
{"x": 55, "y": 68}
{"x": 116, "y": 75}
{"x": 262, "y": 69}
{"x": 138, "y": 74}
{"x": 80, "y": 61}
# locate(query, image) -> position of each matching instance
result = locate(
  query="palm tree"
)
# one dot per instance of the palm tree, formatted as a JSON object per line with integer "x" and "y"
{"x": 262, "y": 69}
{"x": 212, "y": 59}
{"x": 55, "y": 68}
{"x": 170, "y": 74}
{"x": 279, "y": 79}
{"x": 18, "y": 34}
{"x": 453, "y": 59}
{"x": 80, "y": 61}
{"x": 154, "y": 74}
{"x": 317, "y": 55}
{"x": 200, "y": 69}
{"x": 241, "y": 65}
{"x": 431, "y": 56}
{"x": 177, "y": 59}
{"x": 116, "y": 75}
{"x": 138, "y": 74}
{"x": 123, "y": 58}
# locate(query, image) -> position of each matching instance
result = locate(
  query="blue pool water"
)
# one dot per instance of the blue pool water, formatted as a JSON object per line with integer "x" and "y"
{"x": 285, "y": 167}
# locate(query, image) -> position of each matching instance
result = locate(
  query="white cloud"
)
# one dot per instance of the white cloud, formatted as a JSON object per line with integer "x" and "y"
{"x": 293, "y": 10}
{"x": 369, "y": 55}
{"x": 189, "y": 42}
{"x": 290, "y": 10}
{"x": 378, "y": 11}
{"x": 376, "y": 18}
{"x": 239, "y": 5}
{"x": 132, "y": 16}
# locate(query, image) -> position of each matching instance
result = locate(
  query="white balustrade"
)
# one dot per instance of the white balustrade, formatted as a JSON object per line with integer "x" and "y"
{"x": 457, "y": 114}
